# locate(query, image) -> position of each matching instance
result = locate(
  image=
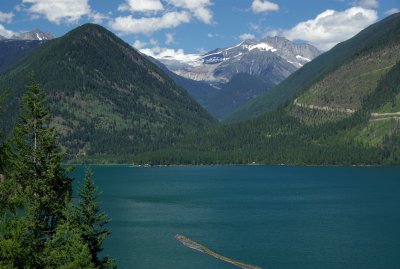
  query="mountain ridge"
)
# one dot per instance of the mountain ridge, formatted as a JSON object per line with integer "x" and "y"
{"x": 258, "y": 65}
{"x": 343, "y": 109}
{"x": 218, "y": 60}
{"x": 104, "y": 95}
{"x": 327, "y": 62}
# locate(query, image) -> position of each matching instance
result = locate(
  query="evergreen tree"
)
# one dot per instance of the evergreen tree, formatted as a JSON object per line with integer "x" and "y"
{"x": 39, "y": 228}
{"x": 39, "y": 185}
{"x": 93, "y": 221}
{"x": 67, "y": 249}
{"x": 13, "y": 252}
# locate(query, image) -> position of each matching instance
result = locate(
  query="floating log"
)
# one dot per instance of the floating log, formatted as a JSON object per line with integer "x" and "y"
{"x": 196, "y": 246}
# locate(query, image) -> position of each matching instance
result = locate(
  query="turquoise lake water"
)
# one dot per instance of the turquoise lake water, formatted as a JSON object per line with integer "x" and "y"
{"x": 275, "y": 217}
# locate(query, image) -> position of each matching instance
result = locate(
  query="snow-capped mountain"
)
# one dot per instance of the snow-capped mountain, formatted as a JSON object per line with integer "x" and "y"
{"x": 35, "y": 34}
{"x": 237, "y": 73}
{"x": 272, "y": 58}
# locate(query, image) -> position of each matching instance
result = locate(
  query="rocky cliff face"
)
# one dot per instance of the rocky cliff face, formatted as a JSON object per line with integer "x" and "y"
{"x": 272, "y": 58}
{"x": 238, "y": 73}
{"x": 36, "y": 34}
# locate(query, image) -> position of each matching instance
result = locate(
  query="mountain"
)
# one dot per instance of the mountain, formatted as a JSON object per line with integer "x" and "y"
{"x": 106, "y": 98}
{"x": 200, "y": 91}
{"x": 272, "y": 58}
{"x": 13, "y": 51}
{"x": 241, "y": 88}
{"x": 219, "y": 102}
{"x": 343, "y": 108}
{"x": 35, "y": 34}
{"x": 264, "y": 63}
{"x": 304, "y": 78}
{"x": 19, "y": 46}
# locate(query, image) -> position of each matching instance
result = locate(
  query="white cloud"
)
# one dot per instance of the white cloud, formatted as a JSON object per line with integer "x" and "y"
{"x": 331, "y": 27}
{"x": 141, "y": 6}
{"x": 199, "y": 8}
{"x": 255, "y": 27}
{"x": 261, "y": 6}
{"x": 201, "y": 50}
{"x": 6, "y": 33}
{"x": 148, "y": 25}
{"x": 168, "y": 54}
{"x": 153, "y": 42}
{"x": 169, "y": 38}
{"x": 367, "y": 3}
{"x": 18, "y": 8}
{"x": 273, "y": 33}
{"x": 6, "y": 17}
{"x": 138, "y": 44}
{"x": 97, "y": 17}
{"x": 158, "y": 15}
{"x": 392, "y": 11}
{"x": 213, "y": 35}
{"x": 58, "y": 11}
{"x": 246, "y": 36}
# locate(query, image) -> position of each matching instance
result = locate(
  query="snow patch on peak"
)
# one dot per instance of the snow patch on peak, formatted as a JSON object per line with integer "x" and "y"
{"x": 299, "y": 57}
{"x": 238, "y": 45}
{"x": 38, "y": 36}
{"x": 260, "y": 46}
{"x": 171, "y": 56}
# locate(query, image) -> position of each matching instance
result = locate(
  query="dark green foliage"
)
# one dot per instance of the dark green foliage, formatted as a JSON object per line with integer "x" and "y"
{"x": 13, "y": 252}
{"x": 36, "y": 162}
{"x": 386, "y": 91}
{"x": 13, "y": 51}
{"x": 37, "y": 227}
{"x": 2, "y": 150}
{"x": 105, "y": 96}
{"x": 382, "y": 33}
{"x": 35, "y": 182}
{"x": 67, "y": 248}
{"x": 92, "y": 221}
{"x": 276, "y": 138}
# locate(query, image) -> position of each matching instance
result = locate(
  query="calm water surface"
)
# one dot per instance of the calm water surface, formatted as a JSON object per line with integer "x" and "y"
{"x": 273, "y": 217}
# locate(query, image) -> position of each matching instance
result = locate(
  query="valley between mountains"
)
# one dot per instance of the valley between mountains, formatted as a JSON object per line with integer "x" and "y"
{"x": 260, "y": 101}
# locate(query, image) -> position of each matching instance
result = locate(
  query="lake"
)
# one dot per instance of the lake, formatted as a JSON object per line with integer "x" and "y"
{"x": 275, "y": 217}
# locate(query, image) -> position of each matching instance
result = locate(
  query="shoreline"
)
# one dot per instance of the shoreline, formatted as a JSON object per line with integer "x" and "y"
{"x": 229, "y": 165}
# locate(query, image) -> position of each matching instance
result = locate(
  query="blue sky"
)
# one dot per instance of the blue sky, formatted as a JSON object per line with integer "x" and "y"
{"x": 195, "y": 26}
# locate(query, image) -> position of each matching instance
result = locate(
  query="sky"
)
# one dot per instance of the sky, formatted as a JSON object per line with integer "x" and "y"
{"x": 184, "y": 27}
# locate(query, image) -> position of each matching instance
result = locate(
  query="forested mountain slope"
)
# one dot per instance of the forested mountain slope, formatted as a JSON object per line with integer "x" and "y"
{"x": 12, "y": 51}
{"x": 382, "y": 35}
{"x": 106, "y": 98}
{"x": 347, "y": 114}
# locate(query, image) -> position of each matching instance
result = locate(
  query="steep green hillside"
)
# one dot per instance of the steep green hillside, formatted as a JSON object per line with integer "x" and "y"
{"x": 12, "y": 51}
{"x": 349, "y": 116}
{"x": 382, "y": 34}
{"x": 105, "y": 97}
{"x": 345, "y": 88}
